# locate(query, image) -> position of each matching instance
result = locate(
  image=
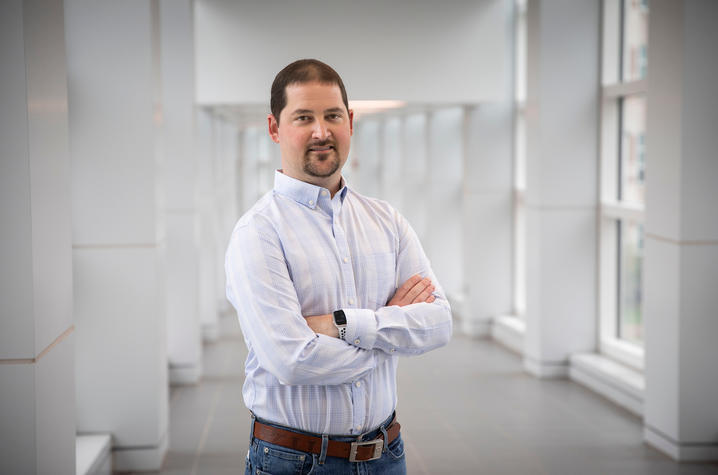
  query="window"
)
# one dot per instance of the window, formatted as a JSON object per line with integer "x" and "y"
{"x": 519, "y": 172}
{"x": 623, "y": 159}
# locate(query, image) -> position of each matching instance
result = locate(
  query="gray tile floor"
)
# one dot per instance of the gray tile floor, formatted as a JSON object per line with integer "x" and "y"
{"x": 467, "y": 408}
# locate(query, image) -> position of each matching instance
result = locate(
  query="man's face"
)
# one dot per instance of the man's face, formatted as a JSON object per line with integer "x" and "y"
{"x": 314, "y": 133}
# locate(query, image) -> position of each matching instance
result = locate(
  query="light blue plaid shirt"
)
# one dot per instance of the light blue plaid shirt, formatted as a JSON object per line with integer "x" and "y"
{"x": 296, "y": 253}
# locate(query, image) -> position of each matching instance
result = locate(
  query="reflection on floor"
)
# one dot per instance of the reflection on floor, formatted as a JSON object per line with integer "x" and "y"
{"x": 465, "y": 409}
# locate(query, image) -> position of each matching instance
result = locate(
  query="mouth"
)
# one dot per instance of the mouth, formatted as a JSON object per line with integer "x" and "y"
{"x": 321, "y": 148}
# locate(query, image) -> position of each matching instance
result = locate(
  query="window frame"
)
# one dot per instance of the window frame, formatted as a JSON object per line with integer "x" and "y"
{"x": 611, "y": 209}
{"x": 519, "y": 162}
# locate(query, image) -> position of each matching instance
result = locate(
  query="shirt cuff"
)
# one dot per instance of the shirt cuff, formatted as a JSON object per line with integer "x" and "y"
{"x": 361, "y": 327}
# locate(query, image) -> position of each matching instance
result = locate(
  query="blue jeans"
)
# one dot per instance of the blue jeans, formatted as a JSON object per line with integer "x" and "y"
{"x": 270, "y": 459}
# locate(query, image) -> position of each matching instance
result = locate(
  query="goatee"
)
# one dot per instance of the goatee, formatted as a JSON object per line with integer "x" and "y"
{"x": 319, "y": 168}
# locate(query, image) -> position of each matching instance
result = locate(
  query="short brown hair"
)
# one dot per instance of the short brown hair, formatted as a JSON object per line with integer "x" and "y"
{"x": 300, "y": 72}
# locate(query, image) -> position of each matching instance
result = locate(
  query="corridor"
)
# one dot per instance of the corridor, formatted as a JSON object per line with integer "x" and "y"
{"x": 555, "y": 160}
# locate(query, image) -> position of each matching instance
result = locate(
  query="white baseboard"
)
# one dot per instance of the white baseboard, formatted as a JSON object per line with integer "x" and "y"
{"x": 457, "y": 302}
{"x": 546, "y": 369}
{"x": 614, "y": 381}
{"x": 509, "y": 332}
{"x": 92, "y": 454}
{"x": 475, "y": 328}
{"x": 140, "y": 459}
{"x": 185, "y": 374}
{"x": 680, "y": 452}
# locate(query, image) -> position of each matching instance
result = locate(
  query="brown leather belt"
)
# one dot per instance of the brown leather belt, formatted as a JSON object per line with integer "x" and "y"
{"x": 359, "y": 451}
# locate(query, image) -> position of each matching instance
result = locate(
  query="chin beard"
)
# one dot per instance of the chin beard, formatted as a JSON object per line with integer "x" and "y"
{"x": 318, "y": 169}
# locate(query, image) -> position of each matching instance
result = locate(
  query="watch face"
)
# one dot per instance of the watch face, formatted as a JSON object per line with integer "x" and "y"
{"x": 340, "y": 318}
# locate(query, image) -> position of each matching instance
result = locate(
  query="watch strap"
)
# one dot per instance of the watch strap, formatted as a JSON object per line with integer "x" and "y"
{"x": 340, "y": 321}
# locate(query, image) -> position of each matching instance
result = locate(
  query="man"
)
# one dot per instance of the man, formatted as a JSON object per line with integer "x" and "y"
{"x": 312, "y": 269}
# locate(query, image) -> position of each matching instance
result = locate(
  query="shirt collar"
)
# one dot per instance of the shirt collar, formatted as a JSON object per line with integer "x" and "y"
{"x": 302, "y": 192}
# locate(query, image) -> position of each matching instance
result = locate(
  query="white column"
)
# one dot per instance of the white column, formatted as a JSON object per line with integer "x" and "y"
{"x": 444, "y": 206}
{"x": 681, "y": 257}
{"x": 416, "y": 168}
{"x": 208, "y": 311}
{"x": 392, "y": 166}
{"x": 37, "y": 388}
{"x": 366, "y": 160}
{"x": 118, "y": 247}
{"x": 487, "y": 221}
{"x": 562, "y": 148}
{"x": 184, "y": 339}
{"x": 250, "y": 167}
{"x": 269, "y": 160}
{"x": 225, "y": 202}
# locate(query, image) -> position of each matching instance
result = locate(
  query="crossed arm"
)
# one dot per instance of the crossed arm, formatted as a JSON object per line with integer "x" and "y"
{"x": 298, "y": 350}
{"x": 415, "y": 290}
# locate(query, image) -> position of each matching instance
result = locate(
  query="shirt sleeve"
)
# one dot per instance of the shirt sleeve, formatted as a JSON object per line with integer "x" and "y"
{"x": 261, "y": 290}
{"x": 412, "y": 329}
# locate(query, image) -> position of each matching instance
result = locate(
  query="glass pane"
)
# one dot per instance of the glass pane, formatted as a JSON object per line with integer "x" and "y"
{"x": 630, "y": 325}
{"x": 635, "y": 40}
{"x": 520, "y": 57}
{"x": 633, "y": 149}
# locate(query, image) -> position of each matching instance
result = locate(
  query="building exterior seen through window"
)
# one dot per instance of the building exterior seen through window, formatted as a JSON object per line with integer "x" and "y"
{"x": 635, "y": 40}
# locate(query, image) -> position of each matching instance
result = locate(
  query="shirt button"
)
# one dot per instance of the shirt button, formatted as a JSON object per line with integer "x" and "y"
{"x": 358, "y": 384}
{"x": 393, "y": 350}
{"x": 324, "y": 192}
{"x": 266, "y": 450}
{"x": 357, "y": 341}
{"x": 311, "y": 202}
{"x": 358, "y": 428}
{"x": 301, "y": 457}
{"x": 351, "y": 301}
{"x": 346, "y": 259}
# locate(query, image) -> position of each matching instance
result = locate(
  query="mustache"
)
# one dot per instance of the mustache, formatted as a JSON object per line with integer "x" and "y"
{"x": 321, "y": 143}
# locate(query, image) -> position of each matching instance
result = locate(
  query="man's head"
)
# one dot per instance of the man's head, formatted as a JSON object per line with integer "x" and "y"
{"x": 301, "y": 72}
{"x": 311, "y": 122}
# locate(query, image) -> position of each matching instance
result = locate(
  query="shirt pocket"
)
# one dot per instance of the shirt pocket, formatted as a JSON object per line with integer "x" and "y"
{"x": 375, "y": 276}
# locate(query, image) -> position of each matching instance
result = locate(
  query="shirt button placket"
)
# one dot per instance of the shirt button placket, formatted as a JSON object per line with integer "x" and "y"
{"x": 346, "y": 268}
{"x": 358, "y": 396}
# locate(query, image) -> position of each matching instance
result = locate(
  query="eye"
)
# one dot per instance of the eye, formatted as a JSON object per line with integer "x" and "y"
{"x": 335, "y": 116}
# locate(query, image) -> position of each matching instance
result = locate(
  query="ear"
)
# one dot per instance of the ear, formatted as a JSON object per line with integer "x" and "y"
{"x": 273, "y": 128}
{"x": 351, "y": 121}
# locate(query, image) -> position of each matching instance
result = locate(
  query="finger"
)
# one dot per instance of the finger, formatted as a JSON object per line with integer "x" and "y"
{"x": 430, "y": 299}
{"x": 417, "y": 289}
{"x": 407, "y": 286}
{"x": 425, "y": 294}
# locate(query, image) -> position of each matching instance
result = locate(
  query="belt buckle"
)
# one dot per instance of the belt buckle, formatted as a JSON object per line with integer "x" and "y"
{"x": 378, "y": 447}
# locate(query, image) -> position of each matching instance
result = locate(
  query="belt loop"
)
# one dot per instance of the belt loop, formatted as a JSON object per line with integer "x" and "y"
{"x": 251, "y": 428}
{"x": 386, "y": 438}
{"x": 323, "y": 454}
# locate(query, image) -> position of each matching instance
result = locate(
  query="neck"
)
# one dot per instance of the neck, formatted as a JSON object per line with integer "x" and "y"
{"x": 331, "y": 183}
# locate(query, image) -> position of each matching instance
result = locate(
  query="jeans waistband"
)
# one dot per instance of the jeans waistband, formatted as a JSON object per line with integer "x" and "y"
{"x": 372, "y": 434}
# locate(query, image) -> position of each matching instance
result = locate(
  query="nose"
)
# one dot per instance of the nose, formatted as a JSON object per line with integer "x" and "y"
{"x": 320, "y": 131}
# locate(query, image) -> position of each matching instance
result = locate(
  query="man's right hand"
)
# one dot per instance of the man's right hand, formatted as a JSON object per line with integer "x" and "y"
{"x": 414, "y": 290}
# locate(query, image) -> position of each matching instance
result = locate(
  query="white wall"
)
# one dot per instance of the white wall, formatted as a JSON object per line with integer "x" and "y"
{"x": 118, "y": 243}
{"x": 184, "y": 342}
{"x": 681, "y": 257}
{"x": 561, "y": 178}
{"x": 37, "y": 401}
{"x": 413, "y": 50}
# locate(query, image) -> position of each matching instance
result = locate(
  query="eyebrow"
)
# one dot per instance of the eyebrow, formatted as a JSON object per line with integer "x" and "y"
{"x": 309, "y": 111}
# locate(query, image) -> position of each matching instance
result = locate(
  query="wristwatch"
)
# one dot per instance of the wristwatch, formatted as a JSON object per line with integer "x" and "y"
{"x": 340, "y": 321}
